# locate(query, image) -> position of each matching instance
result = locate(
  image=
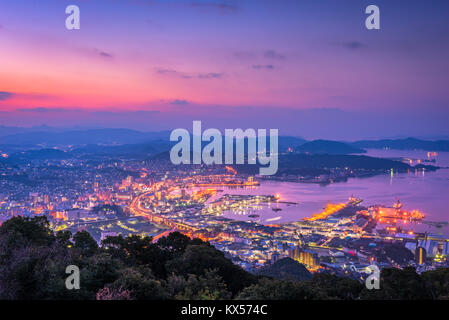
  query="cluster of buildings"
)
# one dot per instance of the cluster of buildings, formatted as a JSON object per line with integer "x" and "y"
{"x": 125, "y": 197}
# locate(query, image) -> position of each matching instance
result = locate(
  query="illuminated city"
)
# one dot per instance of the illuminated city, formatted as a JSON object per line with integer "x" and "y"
{"x": 228, "y": 150}
{"x": 155, "y": 198}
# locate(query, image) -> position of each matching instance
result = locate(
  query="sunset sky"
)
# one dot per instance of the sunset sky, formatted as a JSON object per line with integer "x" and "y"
{"x": 309, "y": 68}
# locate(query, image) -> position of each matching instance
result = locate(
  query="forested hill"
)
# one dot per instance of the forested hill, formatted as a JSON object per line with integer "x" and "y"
{"x": 328, "y": 147}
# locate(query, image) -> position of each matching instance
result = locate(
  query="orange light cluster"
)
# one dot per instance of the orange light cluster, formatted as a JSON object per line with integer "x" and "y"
{"x": 330, "y": 209}
{"x": 200, "y": 194}
{"x": 59, "y": 215}
{"x": 390, "y": 213}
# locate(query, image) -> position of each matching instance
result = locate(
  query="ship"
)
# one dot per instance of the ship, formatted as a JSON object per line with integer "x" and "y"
{"x": 396, "y": 213}
{"x": 253, "y": 215}
{"x": 397, "y": 205}
{"x": 276, "y": 209}
{"x": 353, "y": 201}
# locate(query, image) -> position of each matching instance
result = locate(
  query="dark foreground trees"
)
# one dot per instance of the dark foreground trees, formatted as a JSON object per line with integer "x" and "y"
{"x": 33, "y": 261}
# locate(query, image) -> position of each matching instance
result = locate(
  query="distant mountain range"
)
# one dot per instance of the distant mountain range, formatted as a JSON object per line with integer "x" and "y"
{"x": 40, "y": 154}
{"x": 290, "y": 163}
{"x": 317, "y": 164}
{"x": 52, "y": 137}
{"x": 336, "y": 147}
{"x": 19, "y": 139}
{"x": 6, "y": 130}
{"x": 83, "y": 137}
{"x": 140, "y": 150}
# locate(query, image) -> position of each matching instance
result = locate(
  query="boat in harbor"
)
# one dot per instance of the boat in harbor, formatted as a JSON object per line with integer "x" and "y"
{"x": 276, "y": 209}
{"x": 353, "y": 201}
{"x": 396, "y": 213}
{"x": 253, "y": 216}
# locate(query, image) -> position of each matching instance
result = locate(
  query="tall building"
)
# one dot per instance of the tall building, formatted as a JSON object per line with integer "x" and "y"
{"x": 420, "y": 255}
{"x": 307, "y": 257}
{"x": 431, "y": 247}
{"x": 445, "y": 250}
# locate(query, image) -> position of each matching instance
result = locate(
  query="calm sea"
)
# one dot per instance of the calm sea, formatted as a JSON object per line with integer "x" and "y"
{"x": 424, "y": 191}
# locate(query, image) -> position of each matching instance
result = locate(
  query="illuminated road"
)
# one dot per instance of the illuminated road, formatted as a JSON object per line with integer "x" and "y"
{"x": 163, "y": 234}
{"x": 137, "y": 209}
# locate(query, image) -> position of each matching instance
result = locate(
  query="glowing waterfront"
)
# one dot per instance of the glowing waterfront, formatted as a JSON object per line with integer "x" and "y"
{"x": 416, "y": 190}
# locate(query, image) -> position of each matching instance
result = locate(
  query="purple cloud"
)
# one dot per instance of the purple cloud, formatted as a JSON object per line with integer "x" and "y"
{"x": 266, "y": 66}
{"x": 5, "y": 95}
{"x": 224, "y": 7}
{"x": 179, "y": 102}
{"x": 353, "y": 45}
{"x": 183, "y": 75}
{"x": 272, "y": 54}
